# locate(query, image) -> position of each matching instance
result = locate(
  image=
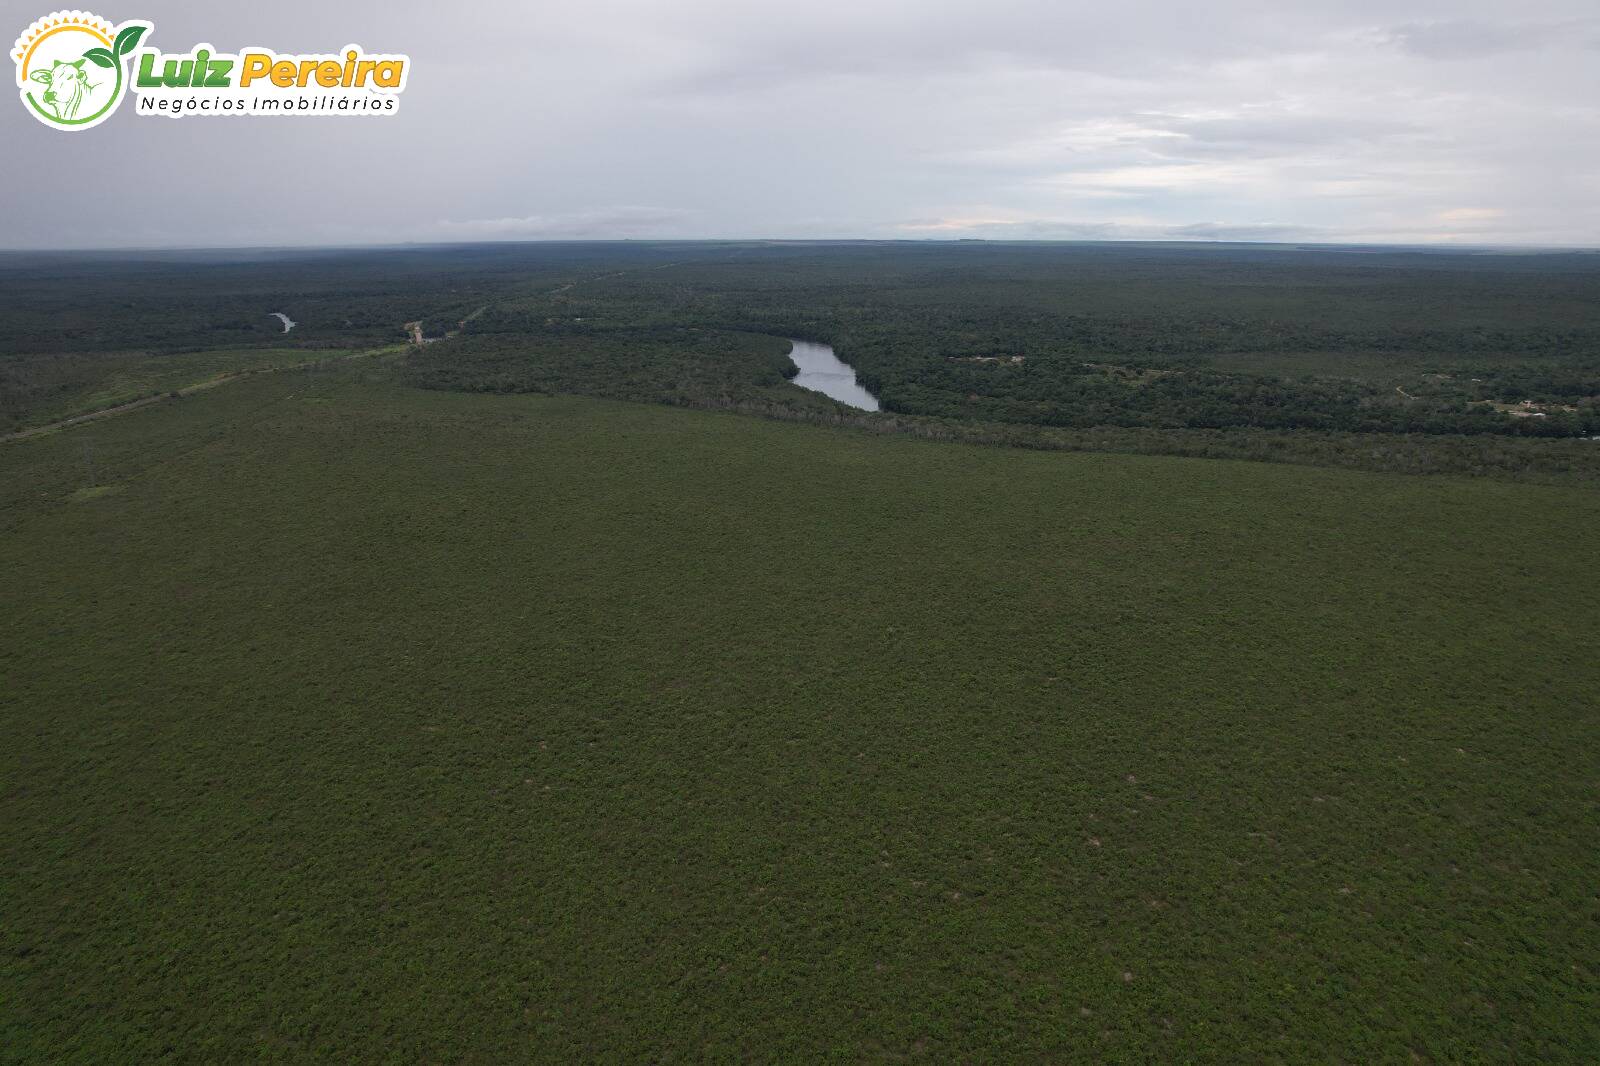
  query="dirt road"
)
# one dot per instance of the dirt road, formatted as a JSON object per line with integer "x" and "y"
{"x": 187, "y": 390}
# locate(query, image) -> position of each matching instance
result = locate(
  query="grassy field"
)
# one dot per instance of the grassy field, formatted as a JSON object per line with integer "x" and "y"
{"x": 354, "y": 721}
{"x": 48, "y": 387}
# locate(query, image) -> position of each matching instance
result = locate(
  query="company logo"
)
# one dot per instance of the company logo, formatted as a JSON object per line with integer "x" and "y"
{"x": 74, "y": 68}
{"x": 71, "y": 67}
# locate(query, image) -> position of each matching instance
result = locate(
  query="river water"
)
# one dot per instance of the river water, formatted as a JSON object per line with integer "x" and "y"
{"x": 821, "y": 371}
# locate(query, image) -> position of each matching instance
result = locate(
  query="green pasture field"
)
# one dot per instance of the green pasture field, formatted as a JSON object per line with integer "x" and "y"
{"x": 46, "y": 387}
{"x": 351, "y": 721}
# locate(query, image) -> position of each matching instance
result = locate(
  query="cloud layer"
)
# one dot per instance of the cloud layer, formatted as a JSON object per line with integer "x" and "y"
{"x": 1461, "y": 122}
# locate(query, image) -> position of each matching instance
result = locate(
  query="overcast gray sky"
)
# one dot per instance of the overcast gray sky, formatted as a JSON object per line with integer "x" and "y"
{"x": 1459, "y": 121}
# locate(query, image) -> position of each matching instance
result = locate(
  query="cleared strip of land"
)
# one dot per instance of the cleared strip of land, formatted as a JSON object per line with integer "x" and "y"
{"x": 178, "y": 393}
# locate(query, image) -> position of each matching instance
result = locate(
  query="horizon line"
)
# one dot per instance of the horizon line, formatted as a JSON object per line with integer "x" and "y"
{"x": 1434, "y": 246}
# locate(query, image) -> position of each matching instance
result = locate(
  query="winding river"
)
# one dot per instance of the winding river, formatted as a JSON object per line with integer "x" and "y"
{"x": 822, "y": 371}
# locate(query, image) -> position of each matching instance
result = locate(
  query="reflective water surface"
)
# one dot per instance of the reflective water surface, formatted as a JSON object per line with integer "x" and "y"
{"x": 821, "y": 371}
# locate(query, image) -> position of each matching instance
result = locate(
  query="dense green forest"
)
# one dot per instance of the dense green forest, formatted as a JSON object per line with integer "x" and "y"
{"x": 1106, "y": 336}
{"x": 1254, "y": 351}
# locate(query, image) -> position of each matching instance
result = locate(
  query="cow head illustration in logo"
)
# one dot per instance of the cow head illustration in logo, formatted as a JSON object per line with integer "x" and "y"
{"x": 70, "y": 67}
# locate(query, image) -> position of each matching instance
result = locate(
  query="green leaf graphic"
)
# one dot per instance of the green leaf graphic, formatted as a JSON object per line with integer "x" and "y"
{"x": 100, "y": 57}
{"x": 127, "y": 39}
